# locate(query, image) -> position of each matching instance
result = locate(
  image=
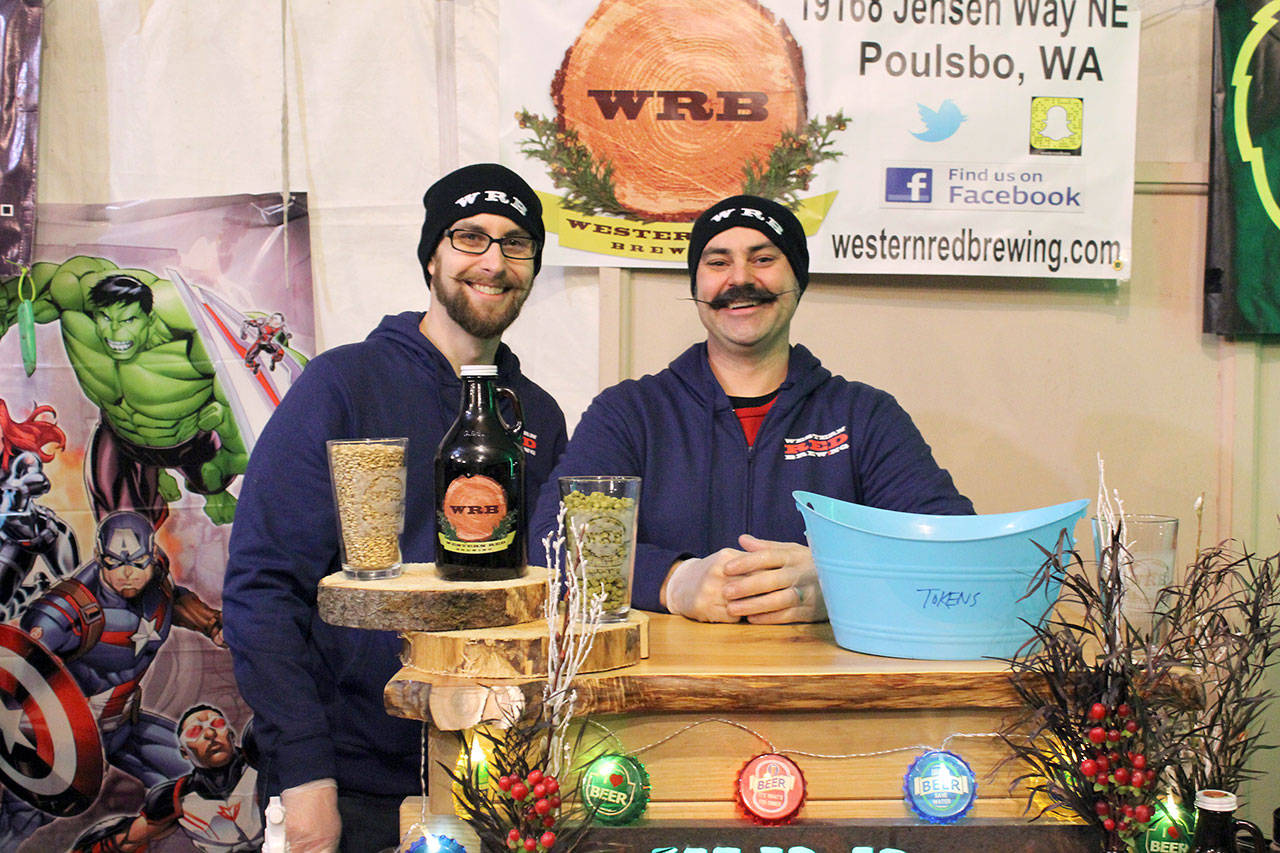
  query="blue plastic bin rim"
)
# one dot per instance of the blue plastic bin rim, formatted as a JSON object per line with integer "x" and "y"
{"x": 913, "y": 526}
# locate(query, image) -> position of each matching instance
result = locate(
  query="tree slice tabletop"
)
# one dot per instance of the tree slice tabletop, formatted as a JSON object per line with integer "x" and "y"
{"x": 679, "y": 97}
{"x": 516, "y": 651}
{"x": 420, "y": 600}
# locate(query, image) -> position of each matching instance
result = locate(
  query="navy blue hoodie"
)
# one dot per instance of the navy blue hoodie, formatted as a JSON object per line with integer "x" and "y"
{"x": 316, "y": 689}
{"x": 703, "y": 486}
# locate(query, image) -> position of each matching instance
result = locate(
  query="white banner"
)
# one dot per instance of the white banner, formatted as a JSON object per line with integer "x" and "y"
{"x": 943, "y": 137}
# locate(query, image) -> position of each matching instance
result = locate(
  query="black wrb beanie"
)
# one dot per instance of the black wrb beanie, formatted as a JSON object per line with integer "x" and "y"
{"x": 479, "y": 188}
{"x": 771, "y": 219}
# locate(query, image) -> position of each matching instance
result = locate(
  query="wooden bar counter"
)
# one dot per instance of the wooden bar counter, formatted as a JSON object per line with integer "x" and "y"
{"x": 709, "y": 697}
{"x": 694, "y": 702}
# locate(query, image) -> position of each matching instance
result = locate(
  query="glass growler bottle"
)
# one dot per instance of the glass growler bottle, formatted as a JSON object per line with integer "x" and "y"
{"x": 1217, "y": 825}
{"x": 479, "y": 480}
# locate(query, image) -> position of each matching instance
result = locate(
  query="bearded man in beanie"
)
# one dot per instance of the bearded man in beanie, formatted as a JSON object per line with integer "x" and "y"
{"x": 327, "y": 744}
{"x": 724, "y": 435}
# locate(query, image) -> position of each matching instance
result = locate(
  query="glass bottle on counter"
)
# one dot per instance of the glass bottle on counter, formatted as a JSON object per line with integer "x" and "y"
{"x": 1217, "y": 825}
{"x": 479, "y": 485}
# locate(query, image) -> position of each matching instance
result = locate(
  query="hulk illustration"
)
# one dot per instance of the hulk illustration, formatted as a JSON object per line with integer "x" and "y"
{"x": 137, "y": 356}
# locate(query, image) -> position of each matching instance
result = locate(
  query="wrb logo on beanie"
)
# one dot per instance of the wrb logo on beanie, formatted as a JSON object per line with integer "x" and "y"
{"x": 749, "y": 212}
{"x": 497, "y": 196}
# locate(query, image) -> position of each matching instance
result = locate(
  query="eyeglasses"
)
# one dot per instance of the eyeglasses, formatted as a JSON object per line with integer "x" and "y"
{"x": 478, "y": 242}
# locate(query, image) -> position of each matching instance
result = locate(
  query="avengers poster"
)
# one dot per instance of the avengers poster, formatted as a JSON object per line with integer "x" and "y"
{"x": 165, "y": 334}
{"x": 1242, "y": 296}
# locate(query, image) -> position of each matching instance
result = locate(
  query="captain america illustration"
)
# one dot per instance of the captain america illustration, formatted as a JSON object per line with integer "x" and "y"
{"x": 214, "y": 805}
{"x": 106, "y": 623}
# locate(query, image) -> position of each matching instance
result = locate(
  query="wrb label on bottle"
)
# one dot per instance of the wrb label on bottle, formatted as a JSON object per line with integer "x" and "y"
{"x": 475, "y": 517}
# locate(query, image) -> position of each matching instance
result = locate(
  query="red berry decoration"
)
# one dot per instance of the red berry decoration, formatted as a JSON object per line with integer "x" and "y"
{"x": 504, "y": 783}
{"x": 1121, "y": 776}
{"x": 1101, "y": 778}
{"x": 1098, "y": 711}
{"x": 539, "y": 790}
{"x": 1123, "y": 710}
{"x": 1139, "y": 762}
{"x": 535, "y": 776}
{"x": 1137, "y": 778}
{"x": 542, "y": 807}
{"x": 1127, "y": 809}
{"x": 1108, "y": 824}
{"x": 1113, "y": 735}
{"x": 555, "y": 801}
{"x": 1131, "y": 726}
{"x": 519, "y": 791}
{"x": 1097, "y": 734}
{"x": 1143, "y": 813}
{"x": 530, "y": 845}
{"x": 1100, "y": 807}
{"x": 551, "y": 783}
{"x": 547, "y": 840}
{"x": 1103, "y": 764}
{"x": 1115, "y": 757}
{"x": 548, "y": 821}
{"x": 513, "y": 835}
{"x": 1089, "y": 767}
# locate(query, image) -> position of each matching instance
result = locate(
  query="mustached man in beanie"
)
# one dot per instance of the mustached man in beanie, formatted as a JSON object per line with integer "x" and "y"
{"x": 327, "y": 743}
{"x": 724, "y": 435}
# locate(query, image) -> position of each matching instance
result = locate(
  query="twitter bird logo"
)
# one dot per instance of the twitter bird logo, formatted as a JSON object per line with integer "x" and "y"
{"x": 940, "y": 123}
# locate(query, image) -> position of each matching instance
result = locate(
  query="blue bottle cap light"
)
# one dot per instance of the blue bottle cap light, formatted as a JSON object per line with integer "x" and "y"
{"x": 940, "y": 786}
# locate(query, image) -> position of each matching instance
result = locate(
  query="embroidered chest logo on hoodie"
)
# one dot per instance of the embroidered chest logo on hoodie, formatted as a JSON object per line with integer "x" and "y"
{"x": 826, "y": 444}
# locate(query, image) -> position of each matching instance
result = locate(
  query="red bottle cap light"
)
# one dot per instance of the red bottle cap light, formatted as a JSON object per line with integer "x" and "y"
{"x": 771, "y": 789}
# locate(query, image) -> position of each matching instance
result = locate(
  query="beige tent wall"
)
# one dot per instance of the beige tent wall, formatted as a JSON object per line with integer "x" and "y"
{"x": 1018, "y": 384}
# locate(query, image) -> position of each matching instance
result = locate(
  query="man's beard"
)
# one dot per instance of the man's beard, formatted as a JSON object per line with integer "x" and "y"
{"x": 485, "y": 326}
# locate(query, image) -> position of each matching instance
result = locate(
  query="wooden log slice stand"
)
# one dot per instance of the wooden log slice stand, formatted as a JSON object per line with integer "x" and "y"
{"x": 679, "y": 97}
{"x": 473, "y": 631}
{"x": 420, "y": 600}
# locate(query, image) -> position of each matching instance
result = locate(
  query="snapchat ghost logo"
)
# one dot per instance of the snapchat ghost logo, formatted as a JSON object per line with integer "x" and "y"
{"x": 1055, "y": 123}
{"x": 1057, "y": 126}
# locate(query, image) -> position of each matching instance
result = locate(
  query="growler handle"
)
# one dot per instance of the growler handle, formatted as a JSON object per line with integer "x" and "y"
{"x": 1259, "y": 843}
{"x": 516, "y": 428}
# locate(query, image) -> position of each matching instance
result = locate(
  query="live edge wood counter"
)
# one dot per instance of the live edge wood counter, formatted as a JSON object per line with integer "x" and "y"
{"x": 705, "y": 668}
{"x": 709, "y": 697}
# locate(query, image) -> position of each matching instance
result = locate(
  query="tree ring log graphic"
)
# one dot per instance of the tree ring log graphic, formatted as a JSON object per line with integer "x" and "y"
{"x": 679, "y": 97}
{"x": 474, "y": 506}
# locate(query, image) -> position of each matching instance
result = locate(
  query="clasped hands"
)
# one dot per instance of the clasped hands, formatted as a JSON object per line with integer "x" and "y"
{"x": 768, "y": 583}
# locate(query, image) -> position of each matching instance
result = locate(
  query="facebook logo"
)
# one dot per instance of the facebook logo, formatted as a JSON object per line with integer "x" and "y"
{"x": 908, "y": 184}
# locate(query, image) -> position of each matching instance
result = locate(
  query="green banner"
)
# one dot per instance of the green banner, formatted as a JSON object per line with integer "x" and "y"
{"x": 1242, "y": 294}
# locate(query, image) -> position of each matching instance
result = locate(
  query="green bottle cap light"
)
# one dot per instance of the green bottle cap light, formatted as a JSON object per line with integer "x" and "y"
{"x": 616, "y": 788}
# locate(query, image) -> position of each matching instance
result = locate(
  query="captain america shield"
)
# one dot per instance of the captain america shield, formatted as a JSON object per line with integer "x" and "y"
{"x": 50, "y": 750}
